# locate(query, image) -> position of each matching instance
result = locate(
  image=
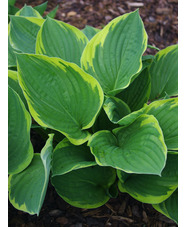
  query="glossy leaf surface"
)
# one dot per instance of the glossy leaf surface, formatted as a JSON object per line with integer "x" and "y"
{"x": 59, "y": 39}
{"x": 137, "y": 148}
{"x": 150, "y": 188}
{"x": 54, "y": 90}
{"x": 113, "y": 55}
{"x": 27, "y": 189}
{"x": 20, "y": 150}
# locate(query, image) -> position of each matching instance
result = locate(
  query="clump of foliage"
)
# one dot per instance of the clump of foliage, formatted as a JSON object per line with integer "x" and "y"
{"x": 109, "y": 108}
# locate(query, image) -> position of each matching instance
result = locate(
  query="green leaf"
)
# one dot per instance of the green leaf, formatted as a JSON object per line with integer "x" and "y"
{"x": 153, "y": 47}
{"x": 11, "y": 56}
{"x": 27, "y": 189}
{"x": 20, "y": 150}
{"x": 12, "y": 10}
{"x": 150, "y": 188}
{"x": 113, "y": 55}
{"x": 59, "y": 39}
{"x": 28, "y": 11}
{"x": 164, "y": 73}
{"x": 86, "y": 187}
{"x": 137, "y": 148}
{"x": 169, "y": 207}
{"x": 11, "y": 2}
{"x": 166, "y": 112}
{"x": 90, "y": 31}
{"x": 67, "y": 157}
{"x": 60, "y": 95}
{"x": 52, "y": 13}
{"x": 41, "y": 8}
{"x": 14, "y": 84}
{"x": 138, "y": 92}
{"x": 115, "y": 109}
{"x": 23, "y": 32}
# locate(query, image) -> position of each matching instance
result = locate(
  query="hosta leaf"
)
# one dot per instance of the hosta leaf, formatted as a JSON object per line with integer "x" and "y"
{"x": 137, "y": 148}
{"x": 60, "y": 95}
{"x": 59, "y": 39}
{"x": 27, "y": 189}
{"x": 115, "y": 109}
{"x": 166, "y": 112}
{"x": 52, "y": 13}
{"x": 164, "y": 73}
{"x": 11, "y": 2}
{"x": 113, "y": 55}
{"x": 20, "y": 150}
{"x": 67, "y": 157}
{"x": 150, "y": 188}
{"x": 90, "y": 31}
{"x": 11, "y": 56}
{"x": 14, "y": 84}
{"x": 28, "y": 11}
{"x": 86, "y": 187}
{"x": 23, "y": 32}
{"x": 169, "y": 207}
{"x": 138, "y": 92}
{"x": 41, "y": 8}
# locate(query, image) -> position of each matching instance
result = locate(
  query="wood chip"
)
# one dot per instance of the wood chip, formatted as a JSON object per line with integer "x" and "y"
{"x": 122, "y": 208}
{"x": 164, "y": 11}
{"x": 173, "y": 1}
{"x": 121, "y": 10}
{"x": 62, "y": 220}
{"x": 71, "y": 14}
{"x": 135, "y": 4}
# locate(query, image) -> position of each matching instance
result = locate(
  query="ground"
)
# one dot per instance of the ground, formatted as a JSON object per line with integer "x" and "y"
{"x": 160, "y": 18}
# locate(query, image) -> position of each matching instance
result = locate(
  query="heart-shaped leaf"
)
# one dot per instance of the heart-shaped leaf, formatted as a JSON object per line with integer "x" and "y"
{"x": 59, "y": 39}
{"x": 20, "y": 150}
{"x": 54, "y": 90}
{"x": 169, "y": 207}
{"x": 165, "y": 111}
{"x": 85, "y": 187}
{"x": 113, "y": 55}
{"x": 164, "y": 73}
{"x": 150, "y": 188}
{"x": 137, "y": 148}
{"x": 27, "y": 189}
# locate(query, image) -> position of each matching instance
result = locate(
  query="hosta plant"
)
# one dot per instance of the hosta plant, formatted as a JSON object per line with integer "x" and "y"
{"x": 111, "y": 112}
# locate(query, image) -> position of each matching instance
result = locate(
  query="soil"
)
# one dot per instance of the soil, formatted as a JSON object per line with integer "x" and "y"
{"x": 160, "y": 18}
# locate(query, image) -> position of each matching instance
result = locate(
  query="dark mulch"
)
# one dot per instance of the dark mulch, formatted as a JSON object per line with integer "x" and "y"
{"x": 161, "y": 22}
